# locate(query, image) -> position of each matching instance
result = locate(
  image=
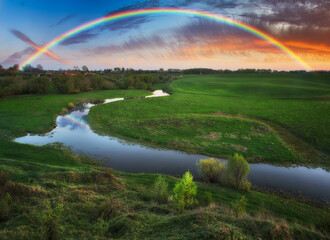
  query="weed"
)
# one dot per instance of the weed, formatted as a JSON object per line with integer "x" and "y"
{"x": 161, "y": 190}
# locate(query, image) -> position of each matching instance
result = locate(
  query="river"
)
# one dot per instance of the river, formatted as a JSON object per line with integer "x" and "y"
{"x": 72, "y": 130}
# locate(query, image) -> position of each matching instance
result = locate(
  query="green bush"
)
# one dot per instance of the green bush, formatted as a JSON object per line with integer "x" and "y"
{"x": 238, "y": 170}
{"x": 211, "y": 169}
{"x": 239, "y": 206}
{"x": 185, "y": 192}
{"x": 161, "y": 190}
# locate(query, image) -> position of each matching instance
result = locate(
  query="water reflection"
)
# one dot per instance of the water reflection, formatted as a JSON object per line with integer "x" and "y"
{"x": 135, "y": 158}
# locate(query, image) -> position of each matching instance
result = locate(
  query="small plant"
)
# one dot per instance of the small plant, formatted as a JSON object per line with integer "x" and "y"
{"x": 208, "y": 198}
{"x": 185, "y": 191}
{"x": 110, "y": 208}
{"x": 211, "y": 169}
{"x": 238, "y": 170}
{"x": 161, "y": 190}
{"x": 239, "y": 206}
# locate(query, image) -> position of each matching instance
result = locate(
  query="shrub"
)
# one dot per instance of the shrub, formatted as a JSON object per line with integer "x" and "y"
{"x": 281, "y": 232}
{"x": 70, "y": 105}
{"x": 238, "y": 170}
{"x": 185, "y": 191}
{"x": 239, "y": 206}
{"x": 161, "y": 190}
{"x": 211, "y": 169}
{"x": 111, "y": 208}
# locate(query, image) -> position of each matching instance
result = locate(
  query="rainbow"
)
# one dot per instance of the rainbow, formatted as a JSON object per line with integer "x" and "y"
{"x": 76, "y": 120}
{"x": 182, "y": 11}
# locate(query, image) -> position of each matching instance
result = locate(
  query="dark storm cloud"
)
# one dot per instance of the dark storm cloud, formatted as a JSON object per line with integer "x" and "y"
{"x": 213, "y": 4}
{"x": 300, "y": 13}
{"x": 304, "y": 21}
{"x": 63, "y": 20}
{"x": 16, "y": 57}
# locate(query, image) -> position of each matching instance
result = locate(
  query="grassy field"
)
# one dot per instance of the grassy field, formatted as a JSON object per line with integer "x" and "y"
{"x": 37, "y": 113}
{"x": 294, "y": 122}
{"x": 52, "y": 189}
{"x": 80, "y": 201}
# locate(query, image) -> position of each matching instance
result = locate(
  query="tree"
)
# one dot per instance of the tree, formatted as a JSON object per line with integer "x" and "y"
{"x": 28, "y": 68}
{"x": 39, "y": 67}
{"x": 211, "y": 169}
{"x": 185, "y": 191}
{"x": 84, "y": 68}
{"x": 38, "y": 85}
{"x": 238, "y": 170}
{"x": 14, "y": 68}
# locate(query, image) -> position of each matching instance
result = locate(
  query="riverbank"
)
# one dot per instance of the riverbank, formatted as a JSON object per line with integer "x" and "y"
{"x": 74, "y": 131}
{"x": 87, "y": 201}
{"x": 263, "y": 129}
{"x": 91, "y": 202}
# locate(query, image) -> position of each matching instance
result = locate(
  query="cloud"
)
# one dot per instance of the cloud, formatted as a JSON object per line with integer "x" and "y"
{"x": 133, "y": 44}
{"x": 121, "y": 24}
{"x": 63, "y": 20}
{"x": 81, "y": 37}
{"x": 26, "y": 39}
{"x": 206, "y": 38}
{"x": 16, "y": 57}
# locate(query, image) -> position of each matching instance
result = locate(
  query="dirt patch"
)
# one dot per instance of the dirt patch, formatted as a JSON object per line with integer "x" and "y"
{"x": 239, "y": 148}
{"x": 212, "y": 136}
{"x": 231, "y": 135}
{"x": 246, "y": 138}
{"x": 260, "y": 129}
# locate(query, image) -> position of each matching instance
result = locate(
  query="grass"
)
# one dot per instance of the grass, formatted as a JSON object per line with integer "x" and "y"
{"x": 297, "y": 124}
{"x": 82, "y": 201}
{"x": 37, "y": 113}
{"x": 121, "y": 206}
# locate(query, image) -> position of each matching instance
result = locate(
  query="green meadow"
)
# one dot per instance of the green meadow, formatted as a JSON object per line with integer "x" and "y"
{"x": 275, "y": 118}
{"x": 54, "y": 191}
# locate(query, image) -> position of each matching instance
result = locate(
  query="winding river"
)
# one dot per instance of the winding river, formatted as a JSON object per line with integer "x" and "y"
{"x": 73, "y": 131}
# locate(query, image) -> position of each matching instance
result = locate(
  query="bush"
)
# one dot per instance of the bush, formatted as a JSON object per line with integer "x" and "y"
{"x": 238, "y": 170}
{"x": 161, "y": 190}
{"x": 239, "y": 206}
{"x": 70, "y": 105}
{"x": 111, "y": 208}
{"x": 185, "y": 191}
{"x": 281, "y": 232}
{"x": 211, "y": 169}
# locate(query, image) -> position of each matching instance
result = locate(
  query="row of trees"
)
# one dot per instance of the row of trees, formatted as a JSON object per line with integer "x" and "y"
{"x": 10, "y": 85}
{"x": 80, "y": 83}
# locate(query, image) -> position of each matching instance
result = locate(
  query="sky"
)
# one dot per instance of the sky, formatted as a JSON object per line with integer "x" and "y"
{"x": 166, "y": 40}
